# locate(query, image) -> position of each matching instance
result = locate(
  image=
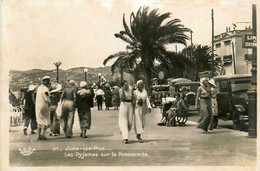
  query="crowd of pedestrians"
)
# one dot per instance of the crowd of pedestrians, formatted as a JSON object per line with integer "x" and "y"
{"x": 52, "y": 106}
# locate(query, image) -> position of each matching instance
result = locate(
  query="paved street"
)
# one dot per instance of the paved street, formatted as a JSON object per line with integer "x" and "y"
{"x": 163, "y": 146}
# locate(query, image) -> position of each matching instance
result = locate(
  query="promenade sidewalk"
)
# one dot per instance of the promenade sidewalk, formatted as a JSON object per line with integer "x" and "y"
{"x": 163, "y": 146}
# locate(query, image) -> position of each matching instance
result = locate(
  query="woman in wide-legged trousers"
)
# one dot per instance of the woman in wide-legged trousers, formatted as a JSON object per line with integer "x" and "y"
{"x": 125, "y": 117}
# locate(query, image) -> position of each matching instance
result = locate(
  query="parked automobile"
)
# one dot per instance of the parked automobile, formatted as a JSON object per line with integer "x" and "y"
{"x": 157, "y": 92}
{"x": 173, "y": 82}
{"x": 232, "y": 99}
{"x": 189, "y": 89}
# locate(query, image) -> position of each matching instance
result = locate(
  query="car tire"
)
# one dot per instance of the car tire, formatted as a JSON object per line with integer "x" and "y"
{"x": 237, "y": 124}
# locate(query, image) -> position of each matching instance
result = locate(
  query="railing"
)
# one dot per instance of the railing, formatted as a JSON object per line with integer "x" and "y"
{"x": 16, "y": 115}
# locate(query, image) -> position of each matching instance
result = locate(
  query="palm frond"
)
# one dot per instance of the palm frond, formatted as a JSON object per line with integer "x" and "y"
{"x": 116, "y": 55}
{"x": 124, "y": 38}
{"x": 127, "y": 30}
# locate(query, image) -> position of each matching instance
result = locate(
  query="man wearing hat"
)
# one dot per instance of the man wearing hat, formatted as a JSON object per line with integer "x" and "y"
{"x": 55, "y": 92}
{"x": 42, "y": 107}
{"x": 29, "y": 109}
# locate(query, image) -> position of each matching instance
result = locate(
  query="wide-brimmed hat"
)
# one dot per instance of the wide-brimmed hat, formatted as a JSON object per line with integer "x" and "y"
{"x": 212, "y": 82}
{"x": 31, "y": 87}
{"x": 55, "y": 87}
{"x": 46, "y": 78}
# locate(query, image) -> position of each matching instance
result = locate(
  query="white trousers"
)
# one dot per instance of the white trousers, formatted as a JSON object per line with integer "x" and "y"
{"x": 139, "y": 120}
{"x": 125, "y": 118}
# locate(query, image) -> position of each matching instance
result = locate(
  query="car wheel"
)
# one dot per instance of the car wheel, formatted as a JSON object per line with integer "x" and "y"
{"x": 237, "y": 123}
{"x": 182, "y": 120}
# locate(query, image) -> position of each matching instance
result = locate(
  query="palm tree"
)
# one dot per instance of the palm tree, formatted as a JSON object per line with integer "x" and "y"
{"x": 120, "y": 66}
{"x": 146, "y": 40}
{"x": 202, "y": 61}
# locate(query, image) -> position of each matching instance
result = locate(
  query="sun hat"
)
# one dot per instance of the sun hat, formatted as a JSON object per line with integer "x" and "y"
{"x": 55, "y": 87}
{"x": 212, "y": 82}
{"x": 46, "y": 78}
{"x": 83, "y": 84}
{"x": 31, "y": 87}
{"x": 72, "y": 82}
{"x": 139, "y": 82}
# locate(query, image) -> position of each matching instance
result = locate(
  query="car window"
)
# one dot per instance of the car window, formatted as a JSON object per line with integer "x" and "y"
{"x": 240, "y": 85}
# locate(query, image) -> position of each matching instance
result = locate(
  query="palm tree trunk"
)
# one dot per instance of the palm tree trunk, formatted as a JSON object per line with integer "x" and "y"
{"x": 147, "y": 81}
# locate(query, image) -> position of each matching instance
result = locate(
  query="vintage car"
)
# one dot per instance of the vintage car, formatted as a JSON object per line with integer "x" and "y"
{"x": 189, "y": 89}
{"x": 173, "y": 82}
{"x": 232, "y": 99}
{"x": 157, "y": 92}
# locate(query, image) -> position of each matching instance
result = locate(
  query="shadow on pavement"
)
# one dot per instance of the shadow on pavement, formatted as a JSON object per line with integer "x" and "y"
{"x": 100, "y": 135}
{"x": 154, "y": 140}
{"x": 219, "y": 132}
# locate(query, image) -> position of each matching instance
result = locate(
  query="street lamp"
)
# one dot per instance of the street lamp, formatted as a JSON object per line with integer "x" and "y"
{"x": 191, "y": 44}
{"x": 57, "y": 64}
{"x": 99, "y": 77}
{"x": 252, "y": 92}
{"x": 86, "y": 72}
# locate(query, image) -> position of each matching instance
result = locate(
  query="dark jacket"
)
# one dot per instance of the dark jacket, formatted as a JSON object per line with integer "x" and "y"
{"x": 84, "y": 99}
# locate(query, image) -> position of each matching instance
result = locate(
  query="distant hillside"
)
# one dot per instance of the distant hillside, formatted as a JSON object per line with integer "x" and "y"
{"x": 21, "y": 79}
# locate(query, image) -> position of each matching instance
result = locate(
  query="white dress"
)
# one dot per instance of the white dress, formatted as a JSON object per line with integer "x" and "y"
{"x": 42, "y": 107}
{"x": 140, "y": 111}
{"x": 125, "y": 117}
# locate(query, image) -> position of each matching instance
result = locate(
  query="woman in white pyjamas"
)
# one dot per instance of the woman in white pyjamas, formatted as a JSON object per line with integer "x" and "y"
{"x": 125, "y": 110}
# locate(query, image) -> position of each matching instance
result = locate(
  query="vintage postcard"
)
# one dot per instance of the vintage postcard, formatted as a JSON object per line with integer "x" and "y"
{"x": 129, "y": 84}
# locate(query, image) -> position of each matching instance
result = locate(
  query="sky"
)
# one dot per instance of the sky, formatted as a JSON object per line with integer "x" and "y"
{"x": 80, "y": 33}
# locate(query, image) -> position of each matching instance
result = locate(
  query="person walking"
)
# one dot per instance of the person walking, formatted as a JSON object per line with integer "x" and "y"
{"x": 68, "y": 108}
{"x": 84, "y": 102}
{"x": 203, "y": 96}
{"x": 141, "y": 107}
{"x": 125, "y": 117}
{"x": 99, "y": 97}
{"x": 108, "y": 97}
{"x": 29, "y": 110}
{"x": 214, "y": 105}
{"x": 55, "y": 98}
{"x": 42, "y": 107}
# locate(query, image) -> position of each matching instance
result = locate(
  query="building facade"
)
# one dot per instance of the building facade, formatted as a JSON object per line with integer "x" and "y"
{"x": 230, "y": 52}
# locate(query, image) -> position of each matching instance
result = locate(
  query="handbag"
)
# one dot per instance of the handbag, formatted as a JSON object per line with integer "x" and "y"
{"x": 140, "y": 102}
{"x": 59, "y": 109}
